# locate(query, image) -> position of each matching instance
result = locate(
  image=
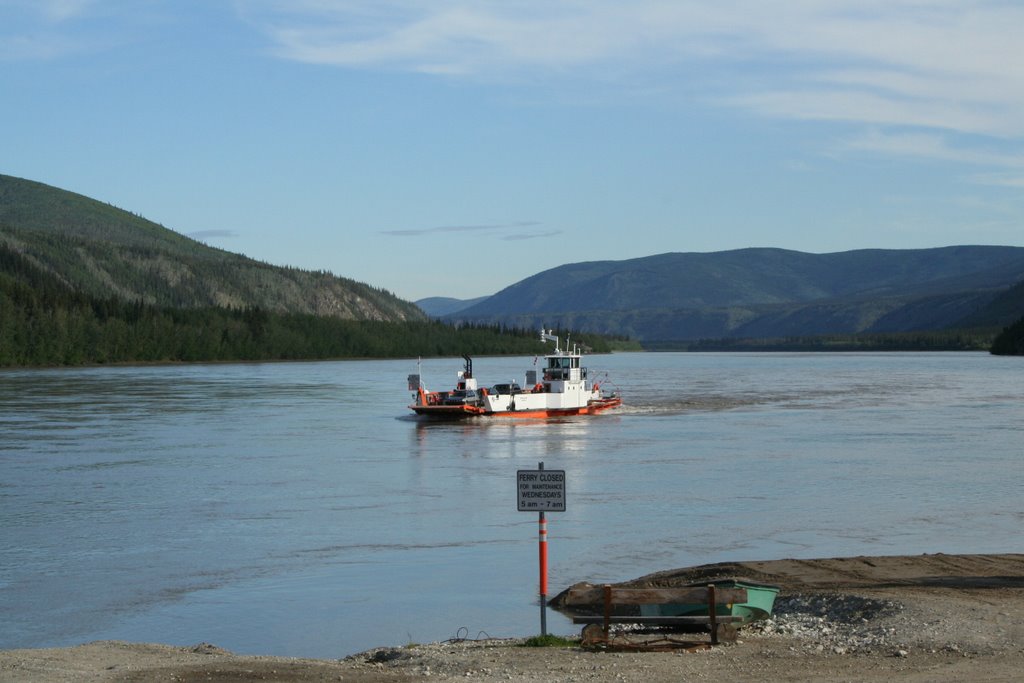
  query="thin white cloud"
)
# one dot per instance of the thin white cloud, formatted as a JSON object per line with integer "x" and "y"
{"x": 1000, "y": 180}
{"x": 440, "y": 229}
{"x": 521, "y": 236}
{"x": 53, "y": 11}
{"x": 62, "y": 10}
{"x": 852, "y": 106}
{"x": 933, "y": 146}
{"x": 33, "y": 47}
{"x": 941, "y": 64}
{"x": 1005, "y": 165}
{"x": 42, "y": 30}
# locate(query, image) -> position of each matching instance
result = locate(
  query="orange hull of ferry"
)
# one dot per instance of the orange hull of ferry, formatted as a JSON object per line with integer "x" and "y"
{"x": 463, "y": 411}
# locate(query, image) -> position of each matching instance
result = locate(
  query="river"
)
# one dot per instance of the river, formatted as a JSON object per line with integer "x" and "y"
{"x": 297, "y": 509}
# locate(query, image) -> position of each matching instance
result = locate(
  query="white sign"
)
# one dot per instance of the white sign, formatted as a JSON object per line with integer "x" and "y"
{"x": 541, "y": 490}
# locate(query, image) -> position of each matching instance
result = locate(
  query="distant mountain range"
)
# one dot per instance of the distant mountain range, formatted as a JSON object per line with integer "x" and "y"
{"x": 104, "y": 251}
{"x": 763, "y": 293}
{"x": 438, "y": 306}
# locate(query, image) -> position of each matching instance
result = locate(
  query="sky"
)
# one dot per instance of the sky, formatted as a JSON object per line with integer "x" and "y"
{"x": 455, "y": 147}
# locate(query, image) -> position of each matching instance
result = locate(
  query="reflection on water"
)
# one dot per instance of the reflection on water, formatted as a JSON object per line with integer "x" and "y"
{"x": 501, "y": 437}
{"x": 300, "y": 509}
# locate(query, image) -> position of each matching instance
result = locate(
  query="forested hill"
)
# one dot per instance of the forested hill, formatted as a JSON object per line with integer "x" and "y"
{"x": 45, "y": 322}
{"x": 765, "y": 293}
{"x": 1011, "y": 341}
{"x": 106, "y": 252}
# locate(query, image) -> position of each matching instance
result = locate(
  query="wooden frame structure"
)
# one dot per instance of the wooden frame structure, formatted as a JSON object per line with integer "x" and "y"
{"x": 612, "y": 597}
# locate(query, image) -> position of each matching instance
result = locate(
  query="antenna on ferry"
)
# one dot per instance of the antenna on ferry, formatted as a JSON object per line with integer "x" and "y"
{"x": 547, "y": 336}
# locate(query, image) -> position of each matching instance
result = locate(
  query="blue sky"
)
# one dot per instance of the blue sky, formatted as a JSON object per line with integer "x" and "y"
{"x": 452, "y": 148}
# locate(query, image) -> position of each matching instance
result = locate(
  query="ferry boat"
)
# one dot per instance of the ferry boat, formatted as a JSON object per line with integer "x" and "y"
{"x": 562, "y": 388}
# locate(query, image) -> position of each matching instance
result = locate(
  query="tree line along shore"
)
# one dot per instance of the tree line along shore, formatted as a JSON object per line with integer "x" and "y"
{"x": 44, "y": 322}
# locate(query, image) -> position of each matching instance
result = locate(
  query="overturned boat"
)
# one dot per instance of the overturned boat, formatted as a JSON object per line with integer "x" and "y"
{"x": 758, "y": 605}
{"x": 561, "y": 388}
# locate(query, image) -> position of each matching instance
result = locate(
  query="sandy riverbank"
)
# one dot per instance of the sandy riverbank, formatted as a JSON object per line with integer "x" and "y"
{"x": 907, "y": 618}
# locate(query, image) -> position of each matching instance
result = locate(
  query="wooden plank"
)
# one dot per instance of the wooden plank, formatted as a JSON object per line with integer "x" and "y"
{"x": 690, "y": 595}
{"x": 606, "y": 592}
{"x": 712, "y": 613}
{"x": 659, "y": 621}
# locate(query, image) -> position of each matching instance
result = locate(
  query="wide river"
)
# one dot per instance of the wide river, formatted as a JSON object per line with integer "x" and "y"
{"x": 296, "y": 509}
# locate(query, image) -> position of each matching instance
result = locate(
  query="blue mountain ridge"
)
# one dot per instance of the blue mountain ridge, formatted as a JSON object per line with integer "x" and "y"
{"x": 760, "y": 292}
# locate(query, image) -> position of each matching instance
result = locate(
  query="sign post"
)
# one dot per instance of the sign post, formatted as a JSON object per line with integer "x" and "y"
{"x": 542, "y": 491}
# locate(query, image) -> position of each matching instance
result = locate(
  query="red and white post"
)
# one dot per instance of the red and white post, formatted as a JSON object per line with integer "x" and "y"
{"x": 542, "y": 543}
{"x": 541, "y": 491}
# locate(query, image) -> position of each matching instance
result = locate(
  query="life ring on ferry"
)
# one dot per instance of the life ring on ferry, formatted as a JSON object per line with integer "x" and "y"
{"x": 538, "y": 387}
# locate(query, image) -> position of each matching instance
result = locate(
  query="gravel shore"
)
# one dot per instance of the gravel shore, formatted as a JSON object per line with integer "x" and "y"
{"x": 920, "y": 618}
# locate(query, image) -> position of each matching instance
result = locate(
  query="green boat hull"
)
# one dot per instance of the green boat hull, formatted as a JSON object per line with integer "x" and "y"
{"x": 759, "y": 604}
